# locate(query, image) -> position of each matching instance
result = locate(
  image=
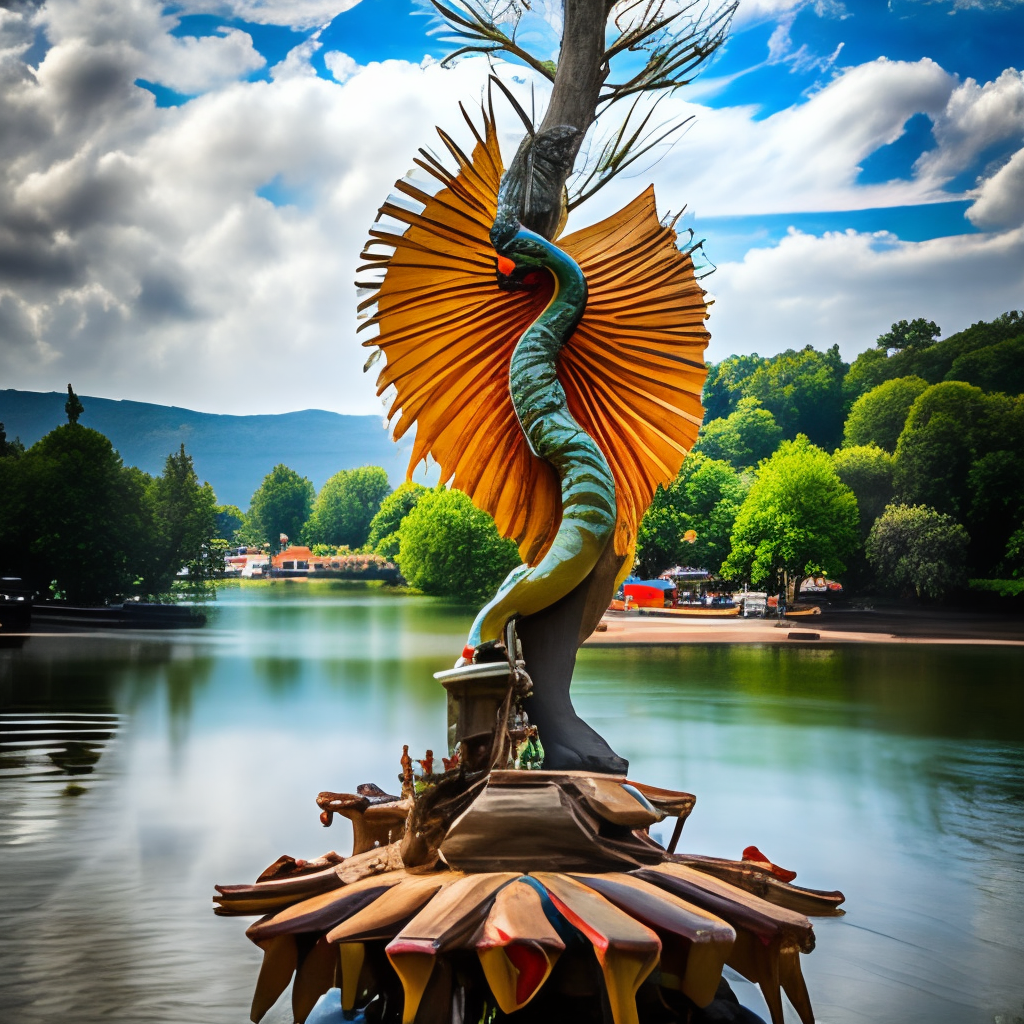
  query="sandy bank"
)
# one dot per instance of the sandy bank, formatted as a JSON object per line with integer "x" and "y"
{"x": 888, "y": 627}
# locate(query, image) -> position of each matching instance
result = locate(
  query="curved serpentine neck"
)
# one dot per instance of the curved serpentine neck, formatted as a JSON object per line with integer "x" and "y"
{"x": 587, "y": 485}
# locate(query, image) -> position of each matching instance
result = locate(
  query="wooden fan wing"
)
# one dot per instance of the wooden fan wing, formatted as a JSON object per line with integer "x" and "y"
{"x": 633, "y": 371}
{"x": 447, "y": 332}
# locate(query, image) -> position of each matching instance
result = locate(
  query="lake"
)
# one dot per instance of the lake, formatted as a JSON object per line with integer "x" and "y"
{"x": 137, "y": 769}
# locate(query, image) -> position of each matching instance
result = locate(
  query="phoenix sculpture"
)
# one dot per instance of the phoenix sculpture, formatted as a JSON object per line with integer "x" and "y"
{"x": 555, "y": 379}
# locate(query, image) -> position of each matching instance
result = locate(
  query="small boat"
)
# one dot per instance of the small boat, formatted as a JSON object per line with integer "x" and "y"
{"x": 802, "y": 611}
{"x": 694, "y": 611}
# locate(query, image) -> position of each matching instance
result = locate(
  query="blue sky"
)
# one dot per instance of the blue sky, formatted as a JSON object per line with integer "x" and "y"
{"x": 770, "y": 63}
{"x": 187, "y": 186}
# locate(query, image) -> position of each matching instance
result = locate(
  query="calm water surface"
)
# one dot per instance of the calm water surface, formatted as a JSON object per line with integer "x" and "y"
{"x": 138, "y": 769}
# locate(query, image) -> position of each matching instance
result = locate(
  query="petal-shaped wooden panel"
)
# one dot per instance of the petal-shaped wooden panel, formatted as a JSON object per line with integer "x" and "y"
{"x": 383, "y": 918}
{"x": 626, "y": 949}
{"x": 319, "y": 913}
{"x": 517, "y": 946}
{"x": 695, "y": 943}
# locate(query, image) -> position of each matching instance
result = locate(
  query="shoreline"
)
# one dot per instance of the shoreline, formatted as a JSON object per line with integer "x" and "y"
{"x": 828, "y": 629}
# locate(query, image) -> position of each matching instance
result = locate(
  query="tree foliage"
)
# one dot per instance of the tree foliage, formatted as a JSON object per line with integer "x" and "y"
{"x": 804, "y": 392}
{"x": 723, "y": 387}
{"x": 943, "y": 360}
{"x": 281, "y": 504}
{"x": 10, "y": 449}
{"x": 73, "y": 515}
{"x": 451, "y": 548}
{"x": 743, "y": 438}
{"x": 798, "y": 518}
{"x": 229, "y": 520}
{"x": 951, "y": 426}
{"x": 346, "y": 505}
{"x": 705, "y": 498}
{"x": 913, "y": 336}
{"x": 383, "y": 537}
{"x": 867, "y": 470}
{"x": 998, "y": 367}
{"x": 915, "y": 548}
{"x": 73, "y": 406}
{"x": 183, "y": 524}
{"x": 879, "y": 415}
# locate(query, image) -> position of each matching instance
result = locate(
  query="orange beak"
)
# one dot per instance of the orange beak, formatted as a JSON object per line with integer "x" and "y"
{"x": 505, "y": 266}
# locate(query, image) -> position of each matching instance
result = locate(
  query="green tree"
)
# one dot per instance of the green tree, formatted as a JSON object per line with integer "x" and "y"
{"x": 80, "y": 517}
{"x": 281, "y": 504}
{"x": 229, "y": 519}
{"x": 879, "y": 415}
{"x": 995, "y": 486}
{"x": 798, "y": 518}
{"x": 993, "y": 368}
{"x": 915, "y": 548}
{"x": 10, "y": 449}
{"x": 383, "y": 538}
{"x": 724, "y": 385}
{"x": 913, "y": 336}
{"x": 450, "y": 547}
{"x": 346, "y": 505}
{"x": 936, "y": 362}
{"x": 867, "y": 470}
{"x": 804, "y": 392}
{"x": 705, "y": 497}
{"x": 743, "y": 438}
{"x": 184, "y": 523}
{"x": 951, "y": 426}
{"x": 1014, "y": 560}
{"x": 73, "y": 407}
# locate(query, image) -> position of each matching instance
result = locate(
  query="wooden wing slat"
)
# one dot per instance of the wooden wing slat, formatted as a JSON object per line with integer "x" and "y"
{"x": 633, "y": 370}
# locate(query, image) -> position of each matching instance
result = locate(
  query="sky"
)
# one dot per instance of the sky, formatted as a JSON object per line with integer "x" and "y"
{"x": 185, "y": 189}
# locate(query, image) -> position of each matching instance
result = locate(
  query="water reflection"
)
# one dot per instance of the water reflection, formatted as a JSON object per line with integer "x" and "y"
{"x": 894, "y": 773}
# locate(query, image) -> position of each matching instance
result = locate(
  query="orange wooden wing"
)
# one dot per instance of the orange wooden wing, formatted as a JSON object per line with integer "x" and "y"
{"x": 447, "y": 332}
{"x": 632, "y": 371}
{"x": 634, "y": 368}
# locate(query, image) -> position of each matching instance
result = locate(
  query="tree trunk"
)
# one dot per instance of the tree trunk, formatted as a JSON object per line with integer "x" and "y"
{"x": 543, "y": 163}
{"x": 535, "y": 186}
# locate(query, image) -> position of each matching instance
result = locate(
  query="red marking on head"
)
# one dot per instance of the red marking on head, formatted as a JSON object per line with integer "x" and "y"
{"x": 505, "y": 266}
{"x": 468, "y": 651}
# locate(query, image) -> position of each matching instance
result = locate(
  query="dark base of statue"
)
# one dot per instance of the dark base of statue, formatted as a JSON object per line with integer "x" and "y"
{"x": 497, "y": 888}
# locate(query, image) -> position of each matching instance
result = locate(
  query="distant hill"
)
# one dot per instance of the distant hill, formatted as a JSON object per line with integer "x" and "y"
{"x": 233, "y": 453}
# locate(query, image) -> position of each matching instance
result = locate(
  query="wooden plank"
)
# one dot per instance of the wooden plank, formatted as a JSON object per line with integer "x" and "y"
{"x": 383, "y": 918}
{"x": 626, "y": 950}
{"x": 320, "y": 913}
{"x": 280, "y": 958}
{"x": 517, "y": 946}
{"x": 705, "y": 940}
{"x": 313, "y": 978}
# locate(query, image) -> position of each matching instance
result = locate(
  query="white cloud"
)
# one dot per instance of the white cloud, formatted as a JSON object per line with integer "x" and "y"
{"x": 138, "y": 259}
{"x": 341, "y": 66}
{"x": 848, "y": 288}
{"x": 297, "y": 14}
{"x": 975, "y": 118}
{"x": 1000, "y": 202}
{"x": 806, "y": 157}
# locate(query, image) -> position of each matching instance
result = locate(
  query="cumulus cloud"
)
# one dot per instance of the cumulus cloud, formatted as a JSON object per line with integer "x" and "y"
{"x": 204, "y": 254}
{"x": 975, "y": 119}
{"x": 808, "y": 156}
{"x": 137, "y": 256}
{"x": 297, "y": 14}
{"x": 1000, "y": 202}
{"x": 849, "y": 287}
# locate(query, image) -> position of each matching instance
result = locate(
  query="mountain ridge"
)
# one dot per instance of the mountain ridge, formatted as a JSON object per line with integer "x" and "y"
{"x": 232, "y": 452}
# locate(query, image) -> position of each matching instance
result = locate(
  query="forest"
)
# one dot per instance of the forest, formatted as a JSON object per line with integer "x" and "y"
{"x": 898, "y": 474}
